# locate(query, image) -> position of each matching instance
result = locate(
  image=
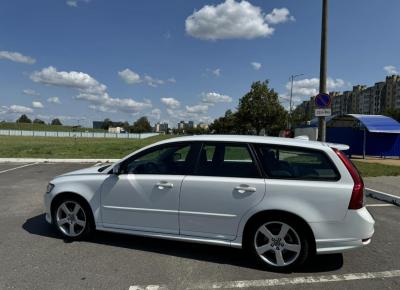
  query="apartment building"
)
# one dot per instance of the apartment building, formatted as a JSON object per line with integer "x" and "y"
{"x": 361, "y": 99}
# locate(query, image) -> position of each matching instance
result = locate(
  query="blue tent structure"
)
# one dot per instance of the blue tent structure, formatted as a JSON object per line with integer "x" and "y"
{"x": 374, "y": 135}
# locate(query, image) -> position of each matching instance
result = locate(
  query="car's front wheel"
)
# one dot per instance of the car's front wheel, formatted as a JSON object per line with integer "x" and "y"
{"x": 72, "y": 218}
{"x": 279, "y": 244}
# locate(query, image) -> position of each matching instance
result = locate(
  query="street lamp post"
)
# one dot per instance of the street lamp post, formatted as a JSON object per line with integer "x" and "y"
{"x": 323, "y": 67}
{"x": 292, "y": 77}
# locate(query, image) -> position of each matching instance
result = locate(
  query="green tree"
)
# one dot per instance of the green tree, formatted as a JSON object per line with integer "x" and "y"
{"x": 107, "y": 123}
{"x": 226, "y": 124}
{"x": 56, "y": 121}
{"x": 24, "y": 119}
{"x": 141, "y": 125}
{"x": 261, "y": 109}
{"x": 393, "y": 113}
{"x": 38, "y": 121}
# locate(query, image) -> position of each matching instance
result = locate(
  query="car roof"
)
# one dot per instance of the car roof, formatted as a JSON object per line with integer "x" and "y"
{"x": 248, "y": 139}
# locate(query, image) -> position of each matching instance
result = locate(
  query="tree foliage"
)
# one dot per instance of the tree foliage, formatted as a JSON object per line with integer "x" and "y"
{"x": 24, "y": 119}
{"x": 393, "y": 113}
{"x": 56, "y": 121}
{"x": 38, "y": 121}
{"x": 261, "y": 109}
{"x": 141, "y": 125}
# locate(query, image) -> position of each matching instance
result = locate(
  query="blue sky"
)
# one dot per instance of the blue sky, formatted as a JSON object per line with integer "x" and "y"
{"x": 181, "y": 60}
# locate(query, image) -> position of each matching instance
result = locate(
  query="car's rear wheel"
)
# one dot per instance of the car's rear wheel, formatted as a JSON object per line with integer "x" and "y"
{"x": 279, "y": 244}
{"x": 72, "y": 218}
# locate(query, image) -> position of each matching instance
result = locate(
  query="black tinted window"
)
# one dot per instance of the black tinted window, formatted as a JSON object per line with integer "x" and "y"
{"x": 226, "y": 160}
{"x": 296, "y": 163}
{"x": 167, "y": 159}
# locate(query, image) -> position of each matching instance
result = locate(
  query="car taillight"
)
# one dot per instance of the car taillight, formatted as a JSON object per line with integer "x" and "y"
{"x": 357, "y": 196}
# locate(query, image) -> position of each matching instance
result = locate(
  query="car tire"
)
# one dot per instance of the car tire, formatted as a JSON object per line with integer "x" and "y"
{"x": 73, "y": 218}
{"x": 278, "y": 244}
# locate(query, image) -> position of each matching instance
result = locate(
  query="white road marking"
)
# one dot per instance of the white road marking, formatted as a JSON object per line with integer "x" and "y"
{"x": 15, "y": 168}
{"x": 374, "y": 190}
{"x": 279, "y": 282}
{"x": 379, "y": 205}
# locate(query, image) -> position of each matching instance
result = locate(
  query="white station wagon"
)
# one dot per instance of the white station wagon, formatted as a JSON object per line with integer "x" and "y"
{"x": 282, "y": 199}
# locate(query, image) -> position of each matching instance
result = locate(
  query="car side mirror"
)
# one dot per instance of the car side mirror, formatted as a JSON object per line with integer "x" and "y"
{"x": 116, "y": 169}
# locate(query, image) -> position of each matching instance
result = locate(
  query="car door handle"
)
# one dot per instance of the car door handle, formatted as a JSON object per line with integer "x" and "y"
{"x": 164, "y": 184}
{"x": 244, "y": 188}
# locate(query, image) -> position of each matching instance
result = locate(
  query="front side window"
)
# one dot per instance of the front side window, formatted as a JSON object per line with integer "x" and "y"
{"x": 166, "y": 159}
{"x": 296, "y": 163}
{"x": 226, "y": 160}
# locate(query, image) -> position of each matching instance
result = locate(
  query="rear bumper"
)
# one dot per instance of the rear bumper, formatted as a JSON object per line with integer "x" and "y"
{"x": 356, "y": 230}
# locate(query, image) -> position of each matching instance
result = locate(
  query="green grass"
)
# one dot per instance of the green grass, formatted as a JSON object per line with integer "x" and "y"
{"x": 44, "y": 127}
{"x": 48, "y": 147}
{"x": 376, "y": 169}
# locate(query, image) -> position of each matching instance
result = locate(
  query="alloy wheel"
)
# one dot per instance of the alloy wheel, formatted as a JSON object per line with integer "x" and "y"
{"x": 71, "y": 218}
{"x": 277, "y": 244}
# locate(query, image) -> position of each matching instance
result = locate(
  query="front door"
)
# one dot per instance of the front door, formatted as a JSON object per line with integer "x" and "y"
{"x": 145, "y": 196}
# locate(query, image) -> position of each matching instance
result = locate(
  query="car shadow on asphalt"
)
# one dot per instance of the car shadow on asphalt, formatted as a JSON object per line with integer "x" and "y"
{"x": 215, "y": 254}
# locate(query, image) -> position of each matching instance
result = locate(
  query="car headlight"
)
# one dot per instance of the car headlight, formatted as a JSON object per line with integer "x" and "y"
{"x": 49, "y": 188}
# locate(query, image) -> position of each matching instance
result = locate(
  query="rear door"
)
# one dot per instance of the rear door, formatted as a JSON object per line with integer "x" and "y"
{"x": 224, "y": 186}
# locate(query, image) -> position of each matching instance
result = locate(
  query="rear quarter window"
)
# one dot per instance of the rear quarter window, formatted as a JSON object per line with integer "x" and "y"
{"x": 287, "y": 162}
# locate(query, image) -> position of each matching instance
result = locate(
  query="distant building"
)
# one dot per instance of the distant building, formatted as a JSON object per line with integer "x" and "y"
{"x": 182, "y": 125}
{"x": 202, "y": 126}
{"x": 361, "y": 99}
{"x": 161, "y": 127}
{"x": 97, "y": 124}
{"x": 190, "y": 125}
{"x": 116, "y": 130}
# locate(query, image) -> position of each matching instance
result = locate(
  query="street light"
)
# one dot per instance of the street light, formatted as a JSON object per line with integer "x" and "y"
{"x": 292, "y": 77}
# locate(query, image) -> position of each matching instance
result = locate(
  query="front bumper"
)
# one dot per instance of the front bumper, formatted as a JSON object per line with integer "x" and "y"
{"x": 47, "y": 202}
{"x": 354, "y": 231}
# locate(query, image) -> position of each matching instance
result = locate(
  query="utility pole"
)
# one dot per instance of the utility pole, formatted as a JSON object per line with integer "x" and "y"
{"x": 323, "y": 67}
{"x": 292, "y": 77}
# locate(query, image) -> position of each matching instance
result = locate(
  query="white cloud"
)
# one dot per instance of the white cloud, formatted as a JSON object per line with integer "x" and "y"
{"x": 197, "y": 109}
{"x": 16, "y": 57}
{"x": 129, "y": 76}
{"x": 30, "y": 92}
{"x": 155, "y": 114}
{"x": 37, "y": 105}
{"x": 171, "y": 102}
{"x": 15, "y": 109}
{"x": 72, "y": 3}
{"x": 228, "y": 20}
{"x": 256, "y": 65}
{"x": 391, "y": 70}
{"x": 101, "y": 108}
{"x": 89, "y": 89}
{"x": 152, "y": 81}
{"x": 279, "y": 15}
{"x": 213, "y": 97}
{"x": 310, "y": 87}
{"x": 54, "y": 100}
{"x": 216, "y": 72}
{"x": 72, "y": 79}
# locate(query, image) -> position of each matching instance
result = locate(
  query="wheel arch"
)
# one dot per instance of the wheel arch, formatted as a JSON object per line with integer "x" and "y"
{"x": 278, "y": 213}
{"x": 72, "y": 195}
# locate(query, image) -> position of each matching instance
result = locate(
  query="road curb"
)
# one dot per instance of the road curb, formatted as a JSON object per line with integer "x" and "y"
{"x": 383, "y": 196}
{"x": 55, "y": 160}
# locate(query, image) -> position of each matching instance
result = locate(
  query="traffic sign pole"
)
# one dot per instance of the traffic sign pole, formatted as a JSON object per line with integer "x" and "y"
{"x": 323, "y": 67}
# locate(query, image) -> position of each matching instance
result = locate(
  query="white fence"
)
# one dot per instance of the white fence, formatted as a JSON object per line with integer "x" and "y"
{"x": 76, "y": 134}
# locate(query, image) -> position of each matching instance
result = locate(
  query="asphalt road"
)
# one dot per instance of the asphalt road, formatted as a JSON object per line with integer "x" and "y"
{"x": 33, "y": 256}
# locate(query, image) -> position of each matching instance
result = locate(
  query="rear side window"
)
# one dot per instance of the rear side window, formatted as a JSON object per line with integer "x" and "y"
{"x": 296, "y": 163}
{"x": 226, "y": 160}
